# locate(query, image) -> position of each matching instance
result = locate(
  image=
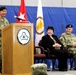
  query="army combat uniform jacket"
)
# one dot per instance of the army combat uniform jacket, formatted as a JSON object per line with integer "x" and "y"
{"x": 69, "y": 39}
{"x": 3, "y": 22}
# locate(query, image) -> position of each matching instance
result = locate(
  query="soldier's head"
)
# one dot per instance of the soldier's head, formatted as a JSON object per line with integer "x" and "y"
{"x": 3, "y": 11}
{"x": 39, "y": 69}
{"x": 69, "y": 29}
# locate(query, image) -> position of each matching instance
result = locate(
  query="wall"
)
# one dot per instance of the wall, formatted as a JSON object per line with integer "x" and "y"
{"x": 52, "y": 3}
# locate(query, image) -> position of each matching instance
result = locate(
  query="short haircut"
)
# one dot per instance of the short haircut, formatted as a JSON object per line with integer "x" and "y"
{"x": 2, "y": 8}
{"x": 42, "y": 73}
{"x": 50, "y": 27}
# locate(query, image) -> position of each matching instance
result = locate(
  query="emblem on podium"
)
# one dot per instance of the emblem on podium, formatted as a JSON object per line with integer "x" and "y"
{"x": 23, "y": 36}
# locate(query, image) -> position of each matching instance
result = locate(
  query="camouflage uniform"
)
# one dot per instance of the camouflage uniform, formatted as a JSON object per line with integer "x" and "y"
{"x": 3, "y": 22}
{"x": 39, "y": 69}
{"x": 69, "y": 39}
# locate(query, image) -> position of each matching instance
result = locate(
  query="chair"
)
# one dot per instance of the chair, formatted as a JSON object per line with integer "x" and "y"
{"x": 48, "y": 55}
{"x": 39, "y": 56}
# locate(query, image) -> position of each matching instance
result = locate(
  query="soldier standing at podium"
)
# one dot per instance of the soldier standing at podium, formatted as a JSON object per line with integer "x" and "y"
{"x": 3, "y": 22}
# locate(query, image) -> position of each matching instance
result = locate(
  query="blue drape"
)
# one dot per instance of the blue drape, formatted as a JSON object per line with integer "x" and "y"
{"x": 55, "y": 16}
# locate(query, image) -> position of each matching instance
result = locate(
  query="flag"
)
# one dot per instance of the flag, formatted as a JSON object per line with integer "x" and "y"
{"x": 39, "y": 24}
{"x": 22, "y": 16}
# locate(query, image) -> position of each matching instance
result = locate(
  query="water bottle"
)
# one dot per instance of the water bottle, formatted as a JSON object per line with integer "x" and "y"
{"x": 68, "y": 66}
{"x": 51, "y": 67}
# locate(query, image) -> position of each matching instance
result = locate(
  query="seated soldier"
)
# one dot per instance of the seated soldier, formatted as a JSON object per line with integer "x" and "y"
{"x": 69, "y": 41}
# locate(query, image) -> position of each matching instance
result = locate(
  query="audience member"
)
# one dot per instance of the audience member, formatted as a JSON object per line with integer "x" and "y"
{"x": 69, "y": 41}
{"x": 39, "y": 69}
{"x": 52, "y": 42}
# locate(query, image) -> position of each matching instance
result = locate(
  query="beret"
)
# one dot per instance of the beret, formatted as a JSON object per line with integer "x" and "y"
{"x": 69, "y": 26}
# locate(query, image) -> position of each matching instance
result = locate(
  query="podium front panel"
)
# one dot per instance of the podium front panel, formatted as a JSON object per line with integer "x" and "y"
{"x": 17, "y": 49}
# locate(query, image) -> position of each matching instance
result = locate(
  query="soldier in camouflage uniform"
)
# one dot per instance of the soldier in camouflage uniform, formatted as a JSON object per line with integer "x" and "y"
{"x": 69, "y": 39}
{"x": 3, "y": 22}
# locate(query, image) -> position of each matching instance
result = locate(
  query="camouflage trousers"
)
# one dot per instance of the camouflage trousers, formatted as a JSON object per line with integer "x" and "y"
{"x": 74, "y": 60}
{"x": 74, "y": 53}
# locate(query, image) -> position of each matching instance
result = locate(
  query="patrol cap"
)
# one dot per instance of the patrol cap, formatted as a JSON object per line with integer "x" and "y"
{"x": 69, "y": 26}
{"x": 2, "y": 8}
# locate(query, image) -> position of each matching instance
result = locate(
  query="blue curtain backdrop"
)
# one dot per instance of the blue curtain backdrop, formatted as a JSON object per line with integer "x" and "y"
{"x": 57, "y": 17}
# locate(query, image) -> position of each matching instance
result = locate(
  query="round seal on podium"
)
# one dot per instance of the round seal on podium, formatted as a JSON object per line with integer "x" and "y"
{"x": 23, "y": 36}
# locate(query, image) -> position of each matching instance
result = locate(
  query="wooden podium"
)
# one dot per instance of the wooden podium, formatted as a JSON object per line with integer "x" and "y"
{"x": 17, "y": 49}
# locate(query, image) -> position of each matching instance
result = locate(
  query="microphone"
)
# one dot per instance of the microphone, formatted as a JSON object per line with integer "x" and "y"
{"x": 17, "y": 18}
{"x": 20, "y": 19}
